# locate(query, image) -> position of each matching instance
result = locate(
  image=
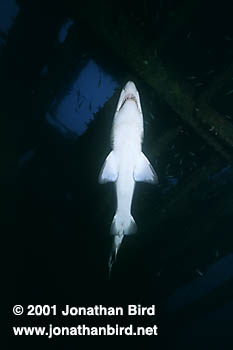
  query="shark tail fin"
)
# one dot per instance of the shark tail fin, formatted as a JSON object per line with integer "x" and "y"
{"x": 119, "y": 229}
{"x": 117, "y": 240}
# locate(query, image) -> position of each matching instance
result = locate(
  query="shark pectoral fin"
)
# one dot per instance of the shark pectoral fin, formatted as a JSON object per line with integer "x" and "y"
{"x": 109, "y": 171}
{"x": 144, "y": 171}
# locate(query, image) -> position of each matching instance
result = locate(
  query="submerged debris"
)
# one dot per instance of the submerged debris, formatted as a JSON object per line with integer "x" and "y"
{"x": 227, "y": 38}
{"x": 211, "y": 71}
{"x": 192, "y": 154}
{"x": 229, "y": 92}
{"x": 152, "y": 116}
{"x": 199, "y": 84}
{"x": 199, "y": 272}
{"x": 158, "y": 274}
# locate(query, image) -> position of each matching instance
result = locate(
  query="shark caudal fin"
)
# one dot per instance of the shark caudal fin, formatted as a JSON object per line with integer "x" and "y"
{"x": 119, "y": 228}
{"x": 117, "y": 240}
{"x": 144, "y": 171}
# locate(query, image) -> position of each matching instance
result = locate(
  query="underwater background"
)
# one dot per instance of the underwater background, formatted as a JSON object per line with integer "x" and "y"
{"x": 62, "y": 67}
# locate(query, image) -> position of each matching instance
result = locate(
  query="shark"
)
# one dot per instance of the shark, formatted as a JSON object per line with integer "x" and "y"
{"x": 126, "y": 164}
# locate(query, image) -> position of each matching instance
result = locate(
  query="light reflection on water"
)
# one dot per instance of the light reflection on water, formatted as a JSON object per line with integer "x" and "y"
{"x": 63, "y": 32}
{"x": 90, "y": 91}
{"x": 8, "y": 12}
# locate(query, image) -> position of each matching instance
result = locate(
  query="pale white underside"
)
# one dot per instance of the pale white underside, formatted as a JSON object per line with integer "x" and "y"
{"x": 126, "y": 163}
{"x": 127, "y": 137}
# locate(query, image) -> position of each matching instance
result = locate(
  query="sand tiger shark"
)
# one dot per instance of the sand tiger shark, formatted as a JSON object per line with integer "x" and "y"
{"x": 126, "y": 164}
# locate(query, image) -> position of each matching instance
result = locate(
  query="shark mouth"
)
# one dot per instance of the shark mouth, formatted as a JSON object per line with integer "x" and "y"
{"x": 130, "y": 97}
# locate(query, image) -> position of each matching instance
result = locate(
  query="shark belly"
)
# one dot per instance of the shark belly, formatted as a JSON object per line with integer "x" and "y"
{"x": 126, "y": 164}
{"x": 124, "y": 192}
{"x": 127, "y": 149}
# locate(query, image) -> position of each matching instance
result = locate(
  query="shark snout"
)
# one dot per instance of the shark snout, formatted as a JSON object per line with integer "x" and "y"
{"x": 130, "y": 87}
{"x": 129, "y": 92}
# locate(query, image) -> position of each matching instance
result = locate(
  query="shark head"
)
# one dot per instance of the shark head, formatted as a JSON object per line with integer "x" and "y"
{"x": 129, "y": 93}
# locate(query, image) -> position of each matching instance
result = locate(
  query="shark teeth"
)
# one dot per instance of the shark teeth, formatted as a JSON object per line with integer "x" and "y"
{"x": 129, "y": 97}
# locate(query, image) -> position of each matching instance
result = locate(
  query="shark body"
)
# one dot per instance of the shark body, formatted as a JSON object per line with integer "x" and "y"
{"x": 126, "y": 164}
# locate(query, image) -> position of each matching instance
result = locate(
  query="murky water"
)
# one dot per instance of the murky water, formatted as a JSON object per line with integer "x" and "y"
{"x": 59, "y": 216}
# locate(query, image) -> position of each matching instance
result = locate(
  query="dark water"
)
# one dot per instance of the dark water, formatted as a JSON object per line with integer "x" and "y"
{"x": 58, "y": 217}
